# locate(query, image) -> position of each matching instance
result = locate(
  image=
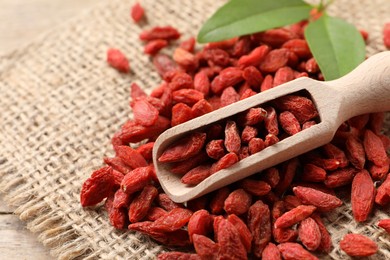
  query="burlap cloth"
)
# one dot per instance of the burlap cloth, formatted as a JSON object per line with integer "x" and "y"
{"x": 60, "y": 104}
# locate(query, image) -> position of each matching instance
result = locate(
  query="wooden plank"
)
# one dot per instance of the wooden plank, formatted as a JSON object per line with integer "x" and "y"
{"x": 16, "y": 242}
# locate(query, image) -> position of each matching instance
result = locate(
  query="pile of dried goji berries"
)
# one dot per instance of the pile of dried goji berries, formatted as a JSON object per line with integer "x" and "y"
{"x": 274, "y": 214}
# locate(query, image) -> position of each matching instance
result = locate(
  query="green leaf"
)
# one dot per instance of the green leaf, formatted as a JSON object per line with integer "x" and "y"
{"x": 337, "y": 46}
{"x": 241, "y": 17}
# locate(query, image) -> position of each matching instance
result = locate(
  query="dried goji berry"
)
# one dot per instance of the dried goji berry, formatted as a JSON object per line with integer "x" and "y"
{"x": 340, "y": 177}
{"x": 117, "y": 164}
{"x": 200, "y": 108}
{"x": 275, "y": 37}
{"x": 180, "y": 113}
{"x": 358, "y": 245}
{"x": 187, "y": 96}
{"x": 362, "y": 195}
{"x": 173, "y": 220}
{"x": 254, "y": 58}
{"x": 97, "y": 187}
{"x": 183, "y": 167}
{"x": 228, "y": 77}
{"x": 293, "y": 251}
{"x": 334, "y": 152}
{"x": 154, "y": 46}
{"x": 146, "y": 150}
{"x": 271, "y": 176}
{"x": 302, "y": 108}
{"x": 255, "y": 145}
{"x": 374, "y": 149}
{"x": 242, "y": 46}
{"x": 259, "y": 223}
{"x": 283, "y": 75}
{"x": 248, "y": 133}
{"x": 136, "y": 179}
{"x": 283, "y": 235}
{"x": 178, "y": 256}
{"x": 196, "y": 175}
{"x": 229, "y": 96}
{"x": 185, "y": 59}
{"x": 253, "y": 76}
{"x": 267, "y": 83}
{"x": 385, "y": 224}
{"x": 326, "y": 241}
{"x": 225, "y": 162}
{"x": 144, "y": 113}
{"x": 253, "y": 116}
{"x": 166, "y": 33}
{"x": 294, "y": 216}
{"x": 155, "y": 213}
{"x": 383, "y": 192}
{"x": 215, "y": 149}
{"x": 130, "y": 156}
{"x": 255, "y": 187}
{"x": 271, "y": 252}
{"x": 165, "y": 202}
{"x": 202, "y": 83}
{"x": 355, "y": 152}
{"x": 136, "y": 91}
{"x": 232, "y": 137}
{"x": 117, "y": 216}
{"x": 230, "y": 245}
{"x": 359, "y": 122}
{"x": 141, "y": 203}
{"x": 243, "y": 231}
{"x": 218, "y": 200}
{"x": 274, "y": 60}
{"x": 270, "y": 139}
{"x": 323, "y": 201}
{"x": 289, "y": 123}
{"x": 309, "y": 233}
{"x": 286, "y": 175}
{"x": 312, "y": 66}
{"x": 271, "y": 121}
{"x": 313, "y": 173}
{"x": 237, "y": 202}
{"x": 121, "y": 199}
{"x": 188, "y": 44}
{"x": 134, "y": 133}
{"x": 176, "y": 238}
{"x": 137, "y": 12}
{"x": 117, "y": 60}
{"x": 376, "y": 122}
{"x": 184, "y": 149}
{"x": 299, "y": 47}
{"x": 163, "y": 64}
{"x": 200, "y": 223}
{"x": 291, "y": 201}
{"x": 205, "y": 247}
{"x": 181, "y": 80}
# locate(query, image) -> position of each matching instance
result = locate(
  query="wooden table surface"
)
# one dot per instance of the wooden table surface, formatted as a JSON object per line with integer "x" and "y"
{"x": 20, "y": 22}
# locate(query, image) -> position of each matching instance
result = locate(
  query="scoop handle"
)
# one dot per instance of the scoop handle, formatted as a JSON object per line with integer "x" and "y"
{"x": 367, "y": 88}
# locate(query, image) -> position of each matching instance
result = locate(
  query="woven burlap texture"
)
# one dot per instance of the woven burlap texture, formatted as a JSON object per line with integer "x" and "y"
{"x": 60, "y": 104}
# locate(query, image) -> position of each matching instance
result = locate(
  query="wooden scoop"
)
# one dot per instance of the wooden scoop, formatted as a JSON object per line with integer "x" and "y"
{"x": 364, "y": 90}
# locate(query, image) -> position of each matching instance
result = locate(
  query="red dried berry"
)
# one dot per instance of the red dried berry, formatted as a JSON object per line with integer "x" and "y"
{"x": 97, "y": 187}
{"x": 137, "y": 12}
{"x": 117, "y": 60}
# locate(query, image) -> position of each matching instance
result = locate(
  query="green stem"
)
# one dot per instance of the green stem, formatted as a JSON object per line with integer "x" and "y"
{"x": 323, "y": 5}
